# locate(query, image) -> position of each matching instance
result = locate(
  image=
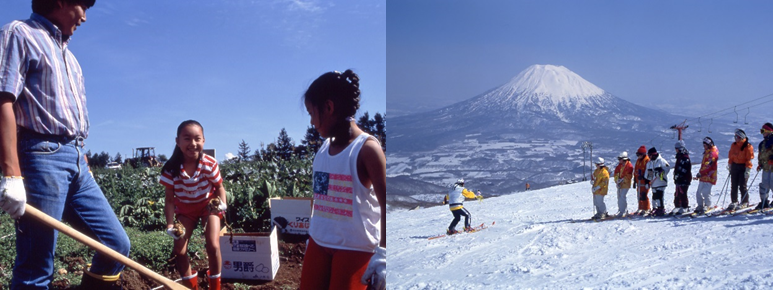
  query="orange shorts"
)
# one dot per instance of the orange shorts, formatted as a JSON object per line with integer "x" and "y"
{"x": 326, "y": 268}
{"x": 194, "y": 211}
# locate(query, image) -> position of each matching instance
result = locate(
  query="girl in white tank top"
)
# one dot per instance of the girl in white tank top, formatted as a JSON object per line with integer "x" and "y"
{"x": 348, "y": 223}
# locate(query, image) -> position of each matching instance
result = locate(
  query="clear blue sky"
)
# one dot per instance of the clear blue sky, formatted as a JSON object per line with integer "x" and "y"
{"x": 692, "y": 57}
{"x": 238, "y": 67}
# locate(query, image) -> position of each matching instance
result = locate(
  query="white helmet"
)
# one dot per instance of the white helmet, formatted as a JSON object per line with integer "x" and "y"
{"x": 623, "y": 155}
{"x": 460, "y": 181}
{"x": 600, "y": 161}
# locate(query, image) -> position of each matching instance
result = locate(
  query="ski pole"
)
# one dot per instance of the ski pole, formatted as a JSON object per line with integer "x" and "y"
{"x": 722, "y": 195}
{"x": 78, "y": 236}
{"x": 745, "y": 195}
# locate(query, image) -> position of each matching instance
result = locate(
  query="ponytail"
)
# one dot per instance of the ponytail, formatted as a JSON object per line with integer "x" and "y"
{"x": 341, "y": 88}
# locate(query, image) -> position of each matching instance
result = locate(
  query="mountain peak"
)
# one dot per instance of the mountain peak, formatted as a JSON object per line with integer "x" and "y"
{"x": 556, "y": 82}
{"x": 545, "y": 88}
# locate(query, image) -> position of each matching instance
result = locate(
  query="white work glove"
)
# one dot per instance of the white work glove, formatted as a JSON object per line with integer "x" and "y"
{"x": 596, "y": 188}
{"x": 222, "y": 207}
{"x": 13, "y": 196}
{"x": 376, "y": 270}
{"x": 170, "y": 232}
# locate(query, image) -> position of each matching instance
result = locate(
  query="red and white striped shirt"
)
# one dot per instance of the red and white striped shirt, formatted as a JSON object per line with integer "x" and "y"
{"x": 196, "y": 188}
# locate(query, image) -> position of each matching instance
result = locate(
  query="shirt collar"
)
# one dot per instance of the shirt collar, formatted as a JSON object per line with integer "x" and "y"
{"x": 55, "y": 32}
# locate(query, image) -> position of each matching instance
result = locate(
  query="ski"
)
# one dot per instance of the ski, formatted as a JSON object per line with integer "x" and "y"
{"x": 474, "y": 229}
{"x": 727, "y": 211}
{"x": 746, "y": 212}
{"x": 704, "y": 214}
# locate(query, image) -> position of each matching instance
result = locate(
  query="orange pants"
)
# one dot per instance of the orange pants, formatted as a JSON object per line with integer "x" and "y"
{"x": 326, "y": 268}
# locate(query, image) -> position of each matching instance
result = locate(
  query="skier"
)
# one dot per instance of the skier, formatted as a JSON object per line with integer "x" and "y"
{"x": 765, "y": 163}
{"x": 454, "y": 199}
{"x": 657, "y": 176}
{"x": 739, "y": 164}
{"x": 600, "y": 181}
{"x": 682, "y": 178}
{"x": 707, "y": 176}
{"x": 623, "y": 175}
{"x": 639, "y": 180}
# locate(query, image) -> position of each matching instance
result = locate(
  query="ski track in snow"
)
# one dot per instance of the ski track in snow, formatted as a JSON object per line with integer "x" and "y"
{"x": 535, "y": 245}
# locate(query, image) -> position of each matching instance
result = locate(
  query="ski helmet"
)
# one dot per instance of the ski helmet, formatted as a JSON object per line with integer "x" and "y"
{"x": 600, "y": 161}
{"x": 623, "y": 155}
{"x": 460, "y": 181}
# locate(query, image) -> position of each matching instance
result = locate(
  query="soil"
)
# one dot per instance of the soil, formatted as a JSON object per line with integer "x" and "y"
{"x": 287, "y": 277}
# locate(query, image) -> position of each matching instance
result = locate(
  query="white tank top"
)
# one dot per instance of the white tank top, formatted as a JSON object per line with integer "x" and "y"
{"x": 346, "y": 214}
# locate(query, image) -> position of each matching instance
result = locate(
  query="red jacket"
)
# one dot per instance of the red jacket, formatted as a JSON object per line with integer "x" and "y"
{"x": 708, "y": 169}
{"x": 641, "y": 169}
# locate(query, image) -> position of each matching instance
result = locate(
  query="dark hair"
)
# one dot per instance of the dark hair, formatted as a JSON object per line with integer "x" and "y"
{"x": 173, "y": 164}
{"x": 44, "y": 7}
{"x": 341, "y": 88}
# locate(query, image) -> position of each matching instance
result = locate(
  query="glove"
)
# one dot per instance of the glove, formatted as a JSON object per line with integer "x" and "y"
{"x": 216, "y": 205}
{"x": 170, "y": 232}
{"x": 376, "y": 271}
{"x": 13, "y": 195}
{"x": 746, "y": 173}
{"x": 596, "y": 188}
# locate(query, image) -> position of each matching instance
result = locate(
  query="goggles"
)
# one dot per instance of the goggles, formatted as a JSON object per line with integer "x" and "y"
{"x": 763, "y": 131}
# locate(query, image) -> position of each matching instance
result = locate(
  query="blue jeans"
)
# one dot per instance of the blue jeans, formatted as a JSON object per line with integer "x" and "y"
{"x": 59, "y": 183}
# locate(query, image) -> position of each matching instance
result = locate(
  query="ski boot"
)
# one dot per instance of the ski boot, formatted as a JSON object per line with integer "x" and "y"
{"x": 467, "y": 229}
{"x": 451, "y": 232}
{"x": 759, "y": 206}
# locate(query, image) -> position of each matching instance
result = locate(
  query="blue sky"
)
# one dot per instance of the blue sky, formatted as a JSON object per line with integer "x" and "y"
{"x": 691, "y": 57}
{"x": 238, "y": 67}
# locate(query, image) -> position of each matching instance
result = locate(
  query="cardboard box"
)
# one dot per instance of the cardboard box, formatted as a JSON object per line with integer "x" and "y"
{"x": 292, "y": 215}
{"x": 253, "y": 256}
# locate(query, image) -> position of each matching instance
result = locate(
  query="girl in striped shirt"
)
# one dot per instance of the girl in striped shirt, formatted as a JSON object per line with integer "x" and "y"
{"x": 347, "y": 244}
{"x": 192, "y": 179}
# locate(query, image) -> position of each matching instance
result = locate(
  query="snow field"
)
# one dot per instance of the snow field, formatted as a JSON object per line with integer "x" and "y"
{"x": 536, "y": 245}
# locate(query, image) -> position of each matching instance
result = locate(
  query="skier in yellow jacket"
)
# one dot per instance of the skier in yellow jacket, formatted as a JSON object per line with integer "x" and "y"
{"x": 454, "y": 199}
{"x": 600, "y": 181}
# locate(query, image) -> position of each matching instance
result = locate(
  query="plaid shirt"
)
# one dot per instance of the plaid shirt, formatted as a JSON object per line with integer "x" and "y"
{"x": 44, "y": 76}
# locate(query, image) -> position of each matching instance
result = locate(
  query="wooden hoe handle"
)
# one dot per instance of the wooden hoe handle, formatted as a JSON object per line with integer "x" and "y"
{"x": 78, "y": 236}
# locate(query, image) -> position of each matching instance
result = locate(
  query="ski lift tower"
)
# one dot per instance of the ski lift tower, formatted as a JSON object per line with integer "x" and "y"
{"x": 680, "y": 127}
{"x": 586, "y": 145}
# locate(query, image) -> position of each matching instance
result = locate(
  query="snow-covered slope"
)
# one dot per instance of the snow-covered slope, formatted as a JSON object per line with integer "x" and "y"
{"x": 535, "y": 245}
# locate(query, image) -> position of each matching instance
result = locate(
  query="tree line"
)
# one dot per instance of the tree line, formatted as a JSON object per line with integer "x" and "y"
{"x": 283, "y": 148}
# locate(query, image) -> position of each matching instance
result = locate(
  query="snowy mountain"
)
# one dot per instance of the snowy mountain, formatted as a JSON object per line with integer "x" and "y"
{"x": 534, "y": 244}
{"x": 539, "y": 102}
{"x": 528, "y": 130}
